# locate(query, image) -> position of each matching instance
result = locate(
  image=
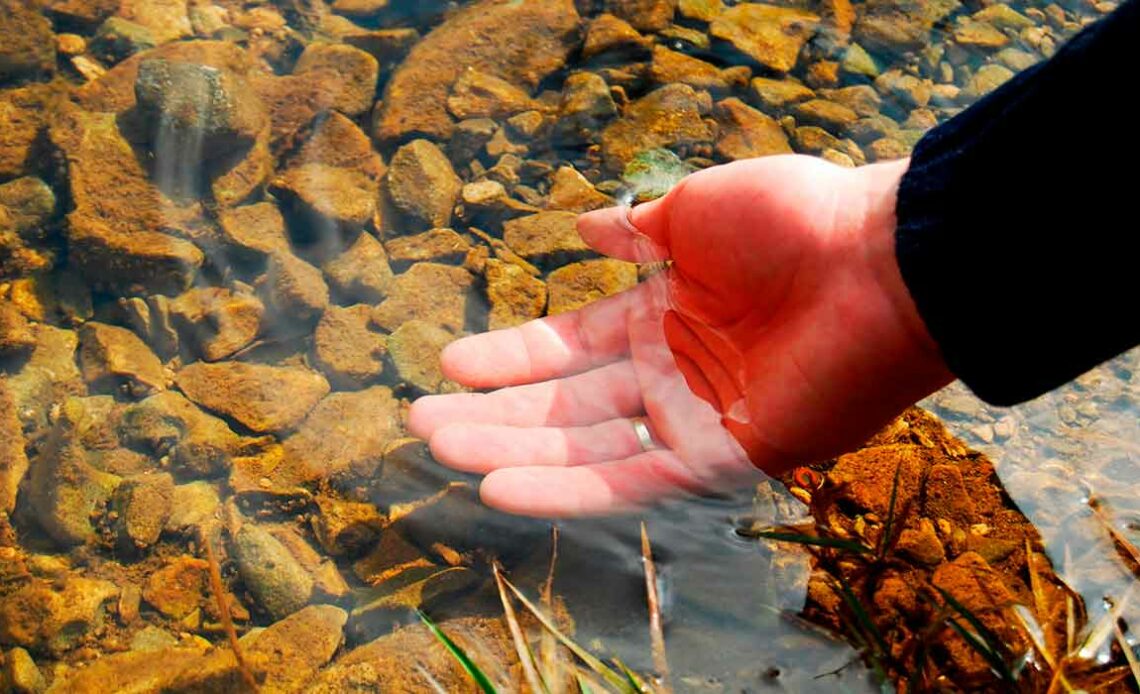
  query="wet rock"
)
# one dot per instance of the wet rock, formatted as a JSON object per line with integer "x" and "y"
{"x": 295, "y": 289}
{"x": 1002, "y": 16}
{"x": 469, "y": 139}
{"x": 670, "y": 66}
{"x": 546, "y": 238}
{"x": 177, "y": 589}
{"x": 21, "y": 118}
{"x": 353, "y": 71}
{"x": 480, "y": 95}
{"x": 700, "y": 10}
{"x": 921, "y": 545}
{"x": 946, "y": 496}
{"x": 54, "y": 616}
{"x": 28, "y": 49}
{"x": 984, "y": 81}
{"x": 16, "y": 338}
{"x": 981, "y": 590}
{"x": 587, "y": 105}
{"x": 573, "y": 286}
{"x": 273, "y": 576}
{"x": 199, "y": 445}
{"x": 20, "y": 674}
{"x": 251, "y": 393}
{"x": 335, "y": 140}
{"x": 1016, "y": 59}
{"x": 862, "y": 99}
{"x": 669, "y": 117}
{"x": 415, "y": 348}
{"x": 427, "y": 291}
{"x": 346, "y": 350}
{"x": 423, "y": 185}
{"x": 514, "y": 295}
{"x": 866, "y": 476}
{"x": 387, "y": 46}
{"x": 117, "y": 39}
{"x": 857, "y": 61}
{"x": 217, "y": 321}
{"x": 198, "y": 108}
{"x": 192, "y": 506}
{"x": 114, "y": 358}
{"x": 886, "y": 149}
{"x": 81, "y": 14}
{"x": 29, "y": 202}
{"x": 415, "y": 99}
{"x": 291, "y": 651}
{"x": 871, "y": 128}
{"x": 437, "y": 245}
{"x": 64, "y": 489}
{"x": 826, "y": 114}
{"x": 911, "y": 91}
{"x": 745, "y": 132}
{"x": 142, "y": 505}
{"x": 488, "y": 200}
{"x": 646, "y": 15}
{"x": 167, "y": 20}
{"x": 13, "y": 460}
{"x": 822, "y": 73}
{"x": 346, "y": 527}
{"x": 572, "y": 192}
{"x": 361, "y": 273}
{"x": 778, "y": 94}
{"x": 48, "y": 376}
{"x": 979, "y": 34}
{"x": 241, "y": 176}
{"x": 770, "y": 35}
{"x": 138, "y": 671}
{"x": 328, "y": 195}
{"x": 345, "y": 434}
{"x": 897, "y": 26}
{"x": 609, "y": 34}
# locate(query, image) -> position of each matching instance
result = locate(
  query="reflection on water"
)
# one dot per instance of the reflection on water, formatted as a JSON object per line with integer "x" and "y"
{"x": 234, "y": 237}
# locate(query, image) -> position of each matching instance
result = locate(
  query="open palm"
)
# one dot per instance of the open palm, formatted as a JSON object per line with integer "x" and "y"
{"x": 781, "y": 333}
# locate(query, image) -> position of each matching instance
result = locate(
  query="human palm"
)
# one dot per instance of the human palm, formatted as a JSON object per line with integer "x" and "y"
{"x": 780, "y": 333}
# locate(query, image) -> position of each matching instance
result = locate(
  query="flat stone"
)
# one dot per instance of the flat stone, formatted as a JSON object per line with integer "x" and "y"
{"x": 477, "y": 94}
{"x": 291, "y": 651}
{"x": 361, "y": 273}
{"x": 700, "y": 10}
{"x": 826, "y": 114}
{"x": 178, "y": 588}
{"x": 607, "y": 33}
{"x": 112, "y": 358}
{"x": 438, "y": 245}
{"x": 333, "y": 139}
{"x": 415, "y": 348}
{"x": 346, "y": 350}
{"x": 48, "y": 376}
{"x": 277, "y": 581}
{"x": 325, "y": 195}
{"x": 777, "y": 94}
{"x": 16, "y": 338}
{"x": 167, "y": 20}
{"x": 573, "y": 286}
{"x": 985, "y": 80}
{"x": 295, "y": 289}
{"x": 514, "y": 295}
{"x": 897, "y": 26}
{"x": 20, "y": 673}
{"x": 118, "y": 39}
{"x": 217, "y": 321}
{"x": 54, "y": 616}
{"x": 254, "y": 394}
{"x": 193, "y": 507}
{"x": 745, "y": 132}
{"x": 857, "y": 61}
{"x": 570, "y": 191}
{"x": 346, "y": 528}
{"x": 770, "y": 35}
{"x": 911, "y": 91}
{"x": 423, "y": 185}
{"x": 866, "y": 476}
{"x": 142, "y": 505}
{"x": 427, "y": 291}
{"x": 586, "y": 106}
{"x": 670, "y": 66}
{"x": 198, "y": 444}
{"x": 979, "y": 34}
{"x": 861, "y": 98}
{"x": 346, "y": 434}
{"x": 350, "y": 71}
{"x": 547, "y": 238}
{"x": 646, "y": 15}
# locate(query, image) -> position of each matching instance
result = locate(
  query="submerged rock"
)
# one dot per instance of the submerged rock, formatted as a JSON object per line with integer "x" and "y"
{"x": 277, "y": 581}
{"x": 253, "y": 232}
{"x": 345, "y": 434}
{"x": 573, "y": 192}
{"x": 217, "y": 321}
{"x": 142, "y": 505}
{"x": 252, "y": 393}
{"x": 340, "y": 198}
{"x": 547, "y": 239}
{"x": 415, "y": 348}
{"x": 54, "y": 616}
{"x": 423, "y": 185}
{"x": 112, "y": 358}
{"x": 346, "y": 349}
{"x": 168, "y": 424}
{"x": 361, "y": 273}
{"x": 770, "y": 35}
{"x": 900, "y": 25}
{"x": 20, "y": 674}
{"x": 669, "y": 117}
{"x": 295, "y": 289}
{"x": 745, "y": 132}
{"x": 646, "y": 15}
{"x": 16, "y": 338}
{"x": 573, "y": 286}
{"x": 427, "y": 291}
{"x": 514, "y": 295}
{"x": 13, "y": 459}
{"x": 177, "y": 589}
{"x": 28, "y": 48}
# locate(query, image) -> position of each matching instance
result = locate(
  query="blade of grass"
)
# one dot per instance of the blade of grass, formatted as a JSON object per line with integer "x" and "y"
{"x": 656, "y": 632}
{"x": 1129, "y": 655}
{"x": 596, "y": 665}
{"x": 884, "y": 539}
{"x": 583, "y": 684}
{"x": 1032, "y": 628}
{"x": 552, "y": 664}
{"x": 459, "y": 654}
{"x": 631, "y": 677}
{"x": 996, "y": 663}
{"x": 1103, "y": 628}
{"x": 864, "y": 619}
{"x": 522, "y": 646}
{"x": 992, "y": 641}
{"x": 813, "y": 540}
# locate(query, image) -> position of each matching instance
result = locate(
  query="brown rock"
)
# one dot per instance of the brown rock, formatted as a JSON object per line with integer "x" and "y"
{"x": 946, "y": 496}
{"x": 921, "y": 545}
{"x": 167, "y": 20}
{"x": 13, "y": 460}
{"x": 546, "y": 238}
{"x": 587, "y": 105}
{"x": 515, "y": 296}
{"x": 16, "y": 338}
{"x": 911, "y": 91}
{"x": 346, "y": 527}
{"x": 84, "y": 13}
{"x": 670, "y": 66}
{"x": 112, "y": 357}
{"x": 335, "y": 140}
{"x": 242, "y": 175}
{"x": 254, "y": 231}
{"x": 21, "y": 119}
{"x": 814, "y": 140}
{"x": 295, "y": 289}
{"x": 217, "y": 321}
{"x": 887, "y": 148}
{"x": 778, "y": 94}
{"x": 745, "y": 132}
{"x": 866, "y": 477}
{"x": 430, "y": 292}
{"x": 350, "y": 71}
{"x": 361, "y": 273}
{"x": 423, "y": 185}
{"x": 346, "y": 434}
{"x": 199, "y": 445}
{"x": 387, "y": 46}
{"x": 292, "y": 650}
{"x": 899, "y": 25}
{"x": 981, "y": 590}
{"x": 838, "y": 20}
{"x": 607, "y": 33}
{"x": 28, "y": 48}
{"x": 700, "y": 10}
{"x": 669, "y": 117}
{"x": 142, "y": 505}
{"x": 327, "y": 195}
{"x": 826, "y": 114}
{"x": 572, "y": 192}
{"x": 861, "y": 98}
{"x": 177, "y": 588}
{"x": 48, "y": 376}
{"x": 573, "y": 286}
{"x": 54, "y": 616}
{"x": 251, "y": 393}
{"x": 437, "y": 245}
{"x": 20, "y": 674}
{"x": 488, "y": 200}
{"x": 415, "y": 347}
{"x": 346, "y": 350}
{"x": 415, "y": 99}
{"x": 770, "y": 35}
{"x": 980, "y": 34}
{"x": 646, "y": 15}
{"x": 480, "y": 95}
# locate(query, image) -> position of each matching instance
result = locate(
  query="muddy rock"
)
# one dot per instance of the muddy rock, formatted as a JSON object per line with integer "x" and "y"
{"x": 16, "y": 338}
{"x": 361, "y": 273}
{"x": 866, "y": 476}
{"x": 415, "y": 347}
{"x": 28, "y": 49}
{"x": 49, "y": 375}
{"x": 387, "y": 46}
{"x": 770, "y": 35}
{"x": 423, "y": 185}
{"x": 573, "y": 286}
{"x": 645, "y": 15}
{"x": 587, "y": 105}
{"x": 831, "y": 115}
{"x": 54, "y": 616}
{"x": 346, "y": 528}
{"x": 777, "y": 94}
{"x": 13, "y": 460}
{"x": 480, "y": 95}
{"x": 64, "y": 489}
{"x": 669, "y": 117}
{"x": 700, "y": 10}
{"x": 167, "y": 20}
{"x": 613, "y": 35}
{"x": 250, "y": 393}
{"x": 352, "y": 71}
{"x": 142, "y": 505}
{"x": 277, "y": 581}
{"x": 346, "y": 349}
{"x": 295, "y": 289}
{"x": 217, "y": 321}
{"x": 114, "y": 358}
{"x": 291, "y": 651}
{"x": 345, "y": 434}
{"x": 979, "y": 34}
{"x": 198, "y": 106}
{"x": 514, "y": 295}
{"x": 745, "y": 132}
{"x": 199, "y": 445}
{"x": 177, "y": 589}
{"x": 20, "y": 674}
{"x": 328, "y": 196}
{"x": 437, "y": 245}
{"x": 118, "y": 39}
{"x": 900, "y": 25}
{"x": 430, "y": 292}
{"x": 415, "y": 99}
{"x": 670, "y": 66}
{"x": 546, "y": 239}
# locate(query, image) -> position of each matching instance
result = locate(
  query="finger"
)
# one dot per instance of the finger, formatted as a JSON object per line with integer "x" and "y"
{"x": 483, "y": 448}
{"x": 612, "y": 232}
{"x": 608, "y": 392}
{"x": 708, "y": 352}
{"x": 546, "y": 348}
{"x": 588, "y": 490}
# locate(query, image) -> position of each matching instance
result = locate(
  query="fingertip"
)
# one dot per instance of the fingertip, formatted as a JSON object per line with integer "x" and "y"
{"x": 610, "y": 231}
{"x": 419, "y": 418}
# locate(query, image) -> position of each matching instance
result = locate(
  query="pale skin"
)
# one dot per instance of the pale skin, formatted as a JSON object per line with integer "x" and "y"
{"x": 781, "y": 334}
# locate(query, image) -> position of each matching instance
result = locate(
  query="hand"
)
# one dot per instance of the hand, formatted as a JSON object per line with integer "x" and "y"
{"x": 782, "y": 333}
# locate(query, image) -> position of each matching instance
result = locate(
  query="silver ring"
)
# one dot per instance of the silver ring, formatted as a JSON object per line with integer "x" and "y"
{"x": 641, "y": 429}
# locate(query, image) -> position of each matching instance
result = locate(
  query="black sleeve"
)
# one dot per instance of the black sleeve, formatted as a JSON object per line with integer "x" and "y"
{"x": 1017, "y": 220}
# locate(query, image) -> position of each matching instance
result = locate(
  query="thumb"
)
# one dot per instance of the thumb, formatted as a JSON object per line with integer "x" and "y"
{"x": 637, "y": 234}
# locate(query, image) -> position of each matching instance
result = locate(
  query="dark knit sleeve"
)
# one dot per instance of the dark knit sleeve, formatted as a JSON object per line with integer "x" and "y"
{"x": 1017, "y": 220}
